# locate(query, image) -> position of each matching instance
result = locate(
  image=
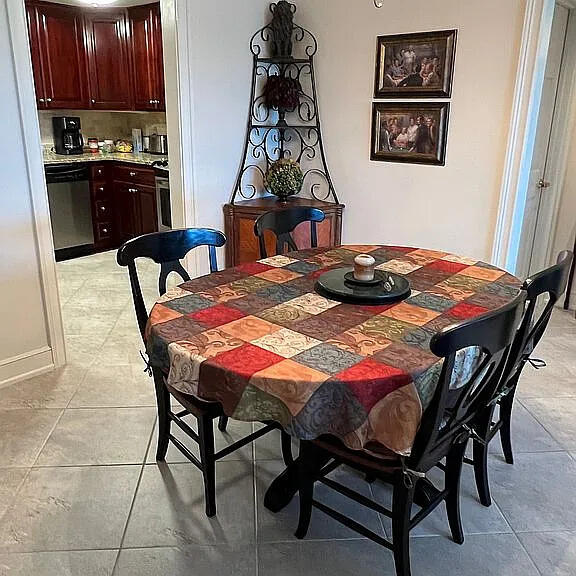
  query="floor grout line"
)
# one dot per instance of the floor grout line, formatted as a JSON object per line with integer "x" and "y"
{"x": 142, "y": 468}
{"x": 255, "y": 492}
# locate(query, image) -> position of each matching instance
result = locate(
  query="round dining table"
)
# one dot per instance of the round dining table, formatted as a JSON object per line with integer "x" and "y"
{"x": 263, "y": 343}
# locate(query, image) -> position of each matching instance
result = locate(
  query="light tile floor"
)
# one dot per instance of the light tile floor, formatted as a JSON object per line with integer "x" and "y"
{"x": 81, "y": 495}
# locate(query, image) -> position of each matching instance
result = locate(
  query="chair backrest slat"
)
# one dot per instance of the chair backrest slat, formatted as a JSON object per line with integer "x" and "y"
{"x": 166, "y": 249}
{"x": 551, "y": 282}
{"x": 282, "y": 223}
{"x": 453, "y": 407}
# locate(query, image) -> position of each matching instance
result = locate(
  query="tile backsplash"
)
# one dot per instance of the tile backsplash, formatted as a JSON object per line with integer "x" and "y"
{"x": 105, "y": 125}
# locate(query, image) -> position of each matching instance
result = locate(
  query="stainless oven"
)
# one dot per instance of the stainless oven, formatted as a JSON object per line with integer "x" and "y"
{"x": 164, "y": 203}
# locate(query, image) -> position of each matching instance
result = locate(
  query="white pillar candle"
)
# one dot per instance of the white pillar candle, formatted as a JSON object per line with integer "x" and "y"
{"x": 364, "y": 266}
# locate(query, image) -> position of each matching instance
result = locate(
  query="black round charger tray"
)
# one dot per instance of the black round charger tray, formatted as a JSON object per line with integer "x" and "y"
{"x": 386, "y": 288}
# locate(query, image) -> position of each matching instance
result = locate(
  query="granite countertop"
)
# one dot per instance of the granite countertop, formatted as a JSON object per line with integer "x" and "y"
{"x": 130, "y": 157}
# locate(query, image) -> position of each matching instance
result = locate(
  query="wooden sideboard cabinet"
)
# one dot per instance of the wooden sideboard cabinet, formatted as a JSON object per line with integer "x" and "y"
{"x": 239, "y": 218}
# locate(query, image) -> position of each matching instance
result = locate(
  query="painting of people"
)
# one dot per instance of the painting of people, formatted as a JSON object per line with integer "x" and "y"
{"x": 410, "y": 132}
{"x": 415, "y": 65}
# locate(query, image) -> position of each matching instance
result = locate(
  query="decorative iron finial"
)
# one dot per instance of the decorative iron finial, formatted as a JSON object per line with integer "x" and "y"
{"x": 378, "y": 3}
{"x": 282, "y": 26}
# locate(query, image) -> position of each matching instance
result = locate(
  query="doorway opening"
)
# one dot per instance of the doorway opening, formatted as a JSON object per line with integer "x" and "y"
{"x": 530, "y": 225}
{"x": 109, "y": 108}
{"x": 547, "y": 171}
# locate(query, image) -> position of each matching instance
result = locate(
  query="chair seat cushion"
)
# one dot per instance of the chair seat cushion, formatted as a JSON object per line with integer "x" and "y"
{"x": 195, "y": 405}
{"x": 375, "y": 456}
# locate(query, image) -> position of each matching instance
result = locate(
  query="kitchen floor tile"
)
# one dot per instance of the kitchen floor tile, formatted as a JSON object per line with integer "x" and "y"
{"x": 99, "y": 436}
{"x": 169, "y": 509}
{"x": 23, "y": 434}
{"x": 80, "y": 563}
{"x": 70, "y": 509}
{"x": 188, "y": 561}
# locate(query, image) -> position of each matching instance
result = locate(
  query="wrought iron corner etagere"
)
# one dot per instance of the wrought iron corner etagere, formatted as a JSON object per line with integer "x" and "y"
{"x": 284, "y": 49}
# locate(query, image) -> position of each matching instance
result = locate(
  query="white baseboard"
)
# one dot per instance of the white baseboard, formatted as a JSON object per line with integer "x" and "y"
{"x": 26, "y": 366}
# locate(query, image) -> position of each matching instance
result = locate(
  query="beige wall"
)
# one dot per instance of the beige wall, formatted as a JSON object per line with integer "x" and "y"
{"x": 23, "y": 335}
{"x": 453, "y": 207}
{"x": 105, "y": 125}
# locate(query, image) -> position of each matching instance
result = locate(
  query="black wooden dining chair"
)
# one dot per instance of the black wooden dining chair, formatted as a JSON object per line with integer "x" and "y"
{"x": 282, "y": 223}
{"x": 550, "y": 283}
{"x": 443, "y": 433}
{"x": 168, "y": 249}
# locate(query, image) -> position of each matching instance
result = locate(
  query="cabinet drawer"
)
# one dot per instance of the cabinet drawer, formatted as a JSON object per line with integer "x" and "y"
{"x": 98, "y": 172}
{"x": 101, "y": 190}
{"x": 135, "y": 175}
{"x": 103, "y": 210}
{"x": 104, "y": 232}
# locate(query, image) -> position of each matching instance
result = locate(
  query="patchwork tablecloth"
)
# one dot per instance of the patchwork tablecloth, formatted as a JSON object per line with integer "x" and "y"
{"x": 259, "y": 340}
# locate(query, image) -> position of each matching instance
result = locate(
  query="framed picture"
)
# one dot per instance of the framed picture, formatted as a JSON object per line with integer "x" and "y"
{"x": 411, "y": 132}
{"x": 415, "y": 65}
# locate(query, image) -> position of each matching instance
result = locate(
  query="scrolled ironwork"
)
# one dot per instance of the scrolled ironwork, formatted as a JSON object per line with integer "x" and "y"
{"x": 251, "y": 189}
{"x": 315, "y": 180}
{"x": 276, "y": 132}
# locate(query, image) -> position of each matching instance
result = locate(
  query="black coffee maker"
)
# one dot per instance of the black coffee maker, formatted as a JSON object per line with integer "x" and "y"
{"x": 67, "y": 137}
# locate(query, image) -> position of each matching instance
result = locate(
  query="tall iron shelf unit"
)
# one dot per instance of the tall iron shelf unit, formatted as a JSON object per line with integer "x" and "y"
{"x": 275, "y": 133}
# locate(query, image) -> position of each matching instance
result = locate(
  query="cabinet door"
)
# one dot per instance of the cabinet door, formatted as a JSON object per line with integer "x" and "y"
{"x": 126, "y": 207}
{"x": 148, "y": 210}
{"x": 159, "y": 58}
{"x": 108, "y": 61}
{"x": 62, "y": 56}
{"x": 33, "y": 36}
{"x": 143, "y": 42}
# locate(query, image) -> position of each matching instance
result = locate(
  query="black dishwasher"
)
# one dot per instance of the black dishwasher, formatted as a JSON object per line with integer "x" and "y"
{"x": 70, "y": 209}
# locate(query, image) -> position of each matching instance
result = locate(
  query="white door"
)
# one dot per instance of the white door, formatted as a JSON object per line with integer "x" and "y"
{"x": 540, "y": 202}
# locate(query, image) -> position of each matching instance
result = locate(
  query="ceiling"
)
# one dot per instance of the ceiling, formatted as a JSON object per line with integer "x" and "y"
{"x": 118, "y": 3}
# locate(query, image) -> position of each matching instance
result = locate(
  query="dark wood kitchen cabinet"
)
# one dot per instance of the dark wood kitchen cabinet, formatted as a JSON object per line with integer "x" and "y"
{"x": 147, "y": 57}
{"x": 105, "y": 59}
{"x": 135, "y": 197}
{"x": 103, "y": 207}
{"x": 58, "y": 56}
{"x": 110, "y": 80}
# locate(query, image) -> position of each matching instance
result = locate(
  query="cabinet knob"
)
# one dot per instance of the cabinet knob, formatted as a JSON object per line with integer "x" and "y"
{"x": 48, "y": 99}
{"x": 132, "y": 174}
{"x": 105, "y": 230}
{"x": 41, "y": 100}
{"x": 99, "y": 171}
{"x": 101, "y": 188}
{"x": 103, "y": 208}
{"x": 93, "y": 101}
{"x": 132, "y": 190}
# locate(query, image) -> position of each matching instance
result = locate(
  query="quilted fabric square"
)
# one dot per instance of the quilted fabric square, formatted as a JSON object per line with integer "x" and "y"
{"x": 286, "y": 343}
{"x": 371, "y": 381}
{"x": 216, "y": 316}
{"x": 328, "y": 359}
{"x": 188, "y": 304}
{"x": 312, "y": 303}
{"x": 411, "y": 314}
{"x": 249, "y": 328}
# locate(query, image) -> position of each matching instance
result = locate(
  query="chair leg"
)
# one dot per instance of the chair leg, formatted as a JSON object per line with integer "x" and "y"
{"x": 454, "y": 462}
{"x": 222, "y": 423}
{"x": 506, "y": 405}
{"x": 401, "y": 513}
{"x": 206, "y": 437}
{"x": 306, "y": 479}
{"x": 164, "y": 421}
{"x": 480, "y": 456}
{"x": 286, "y": 442}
